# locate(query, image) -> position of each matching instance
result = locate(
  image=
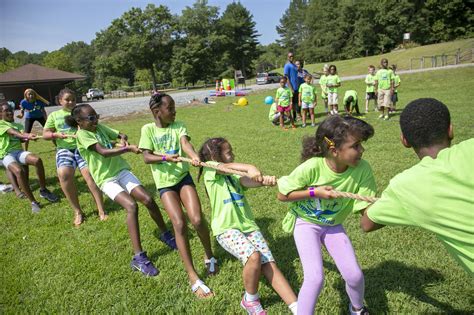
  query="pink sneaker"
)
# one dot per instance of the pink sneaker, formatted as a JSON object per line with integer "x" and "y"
{"x": 253, "y": 308}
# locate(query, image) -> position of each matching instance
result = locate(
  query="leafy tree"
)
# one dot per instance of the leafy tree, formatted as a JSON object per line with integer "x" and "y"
{"x": 58, "y": 60}
{"x": 293, "y": 28}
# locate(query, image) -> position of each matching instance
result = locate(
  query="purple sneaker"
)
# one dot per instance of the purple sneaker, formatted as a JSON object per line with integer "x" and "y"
{"x": 169, "y": 240}
{"x": 140, "y": 262}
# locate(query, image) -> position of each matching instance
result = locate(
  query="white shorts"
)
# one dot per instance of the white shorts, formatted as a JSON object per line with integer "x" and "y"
{"x": 307, "y": 105}
{"x": 332, "y": 98}
{"x": 124, "y": 181}
{"x": 18, "y": 156}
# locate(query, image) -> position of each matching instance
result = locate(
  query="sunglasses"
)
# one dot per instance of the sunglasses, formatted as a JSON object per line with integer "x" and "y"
{"x": 91, "y": 118}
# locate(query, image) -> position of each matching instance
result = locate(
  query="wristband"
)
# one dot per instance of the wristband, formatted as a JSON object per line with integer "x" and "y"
{"x": 163, "y": 158}
{"x": 53, "y": 136}
{"x": 311, "y": 192}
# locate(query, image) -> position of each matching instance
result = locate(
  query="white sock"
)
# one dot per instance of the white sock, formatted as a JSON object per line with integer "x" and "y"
{"x": 293, "y": 308}
{"x": 251, "y": 297}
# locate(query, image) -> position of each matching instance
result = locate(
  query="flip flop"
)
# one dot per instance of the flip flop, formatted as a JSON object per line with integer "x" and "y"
{"x": 212, "y": 262}
{"x": 199, "y": 284}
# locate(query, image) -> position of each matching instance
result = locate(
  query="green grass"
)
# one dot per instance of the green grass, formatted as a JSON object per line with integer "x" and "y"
{"x": 399, "y": 57}
{"x": 50, "y": 267}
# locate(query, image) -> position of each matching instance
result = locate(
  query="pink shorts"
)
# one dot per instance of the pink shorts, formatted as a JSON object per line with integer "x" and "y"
{"x": 283, "y": 109}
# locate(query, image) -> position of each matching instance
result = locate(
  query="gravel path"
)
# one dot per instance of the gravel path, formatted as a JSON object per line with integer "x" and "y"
{"x": 125, "y": 106}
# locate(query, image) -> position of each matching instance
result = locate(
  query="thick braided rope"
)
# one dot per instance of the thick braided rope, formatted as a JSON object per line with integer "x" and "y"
{"x": 339, "y": 194}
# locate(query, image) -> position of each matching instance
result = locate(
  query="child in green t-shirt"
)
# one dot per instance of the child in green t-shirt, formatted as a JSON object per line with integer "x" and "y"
{"x": 233, "y": 223}
{"x": 396, "y": 84}
{"x": 162, "y": 142}
{"x": 307, "y": 99}
{"x": 112, "y": 174}
{"x": 14, "y": 158}
{"x": 370, "y": 90}
{"x": 332, "y": 83}
{"x": 324, "y": 90}
{"x": 284, "y": 98}
{"x": 68, "y": 157}
{"x": 332, "y": 159}
{"x": 384, "y": 88}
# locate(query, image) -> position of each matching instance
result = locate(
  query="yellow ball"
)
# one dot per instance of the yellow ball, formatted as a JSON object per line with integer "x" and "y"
{"x": 242, "y": 101}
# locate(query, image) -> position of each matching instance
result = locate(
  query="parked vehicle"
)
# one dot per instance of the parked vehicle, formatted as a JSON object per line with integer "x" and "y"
{"x": 268, "y": 77}
{"x": 94, "y": 94}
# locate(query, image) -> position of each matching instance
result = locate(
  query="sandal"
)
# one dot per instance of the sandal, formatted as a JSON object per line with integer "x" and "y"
{"x": 211, "y": 264}
{"x": 21, "y": 195}
{"x": 199, "y": 284}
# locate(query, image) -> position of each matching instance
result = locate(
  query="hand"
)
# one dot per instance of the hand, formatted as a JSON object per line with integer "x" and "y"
{"x": 255, "y": 174}
{"x": 324, "y": 192}
{"x": 196, "y": 161}
{"x": 20, "y": 116}
{"x": 60, "y": 135}
{"x": 124, "y": 142}
{"x": 171, "y": 157}
{"x": 133, "y": 148}
{"x": 31, "y": 136}
{"x": 269, "y": 180}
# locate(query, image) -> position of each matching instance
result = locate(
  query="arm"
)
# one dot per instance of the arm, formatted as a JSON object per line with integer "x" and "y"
{"x": 189, "y": 150}
{"x": 114, "y": 151}
{"x": 289, "y": 84}
{"x": 150, "y": 158}
{"x": 368, "y": 225}
{"x": 323, "y": 192}
{"x": 50, "y": 134}
{"x": 254, "y": 174}
{"x": 299, "y": 98}
{"x": 376, "y": 86}
{"x": 21, "y": 136}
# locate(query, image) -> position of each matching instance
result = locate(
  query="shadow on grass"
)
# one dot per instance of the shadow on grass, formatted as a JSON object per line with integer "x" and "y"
{"x": 394, "y": 276}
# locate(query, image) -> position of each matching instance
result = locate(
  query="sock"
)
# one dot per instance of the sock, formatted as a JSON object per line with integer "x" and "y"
{"x": 251, "y": 297}
{"x": 293, "y": 308}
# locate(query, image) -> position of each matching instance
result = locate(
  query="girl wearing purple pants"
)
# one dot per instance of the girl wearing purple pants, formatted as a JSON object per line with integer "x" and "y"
{"x": 331, "y": 160}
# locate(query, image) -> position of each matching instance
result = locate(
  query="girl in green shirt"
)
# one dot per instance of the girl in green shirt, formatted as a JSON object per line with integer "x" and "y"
{"x": 234, "y": 226}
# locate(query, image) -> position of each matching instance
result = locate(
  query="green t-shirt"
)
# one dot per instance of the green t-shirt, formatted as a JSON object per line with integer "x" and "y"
{"x": 322, "y": 83}
{"x": 308, "y": 93}
{"x": 370, "y": 81}
{"x": 272, "y": 112}
{"x": 443, "y": 203}
{"x": 9, "y": 143}
{"x": 333, "y": 79}
{"x": 229, "y": 207}
{"x": 284, "y": 96}
{"x": 102, "y": 169}
{"x": 316, "y": 172}
{"x": 56, "y": 122}
{"x": 396, "y": 81}
{"x": 161, "y": 141}
{"x": 350, "y": 93}
{"x": 384, "y": 78}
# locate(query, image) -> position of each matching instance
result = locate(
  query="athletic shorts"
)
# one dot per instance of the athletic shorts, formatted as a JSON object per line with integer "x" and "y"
{"x": 370, "y": 96}
{"x": 18, "y": 156}
{"x": 187, "y": 180}
{"x": 124, "y": 181}
{"x": 384, "y": 98}
{"x": 307, "y": 105}
{"x": 283, "y": 109}
{"x": 332, "y": 98}
{"x": 243, "y": 245}
{"x": 69, "y": 158}
{"x": 30, "y": 121}
{"x": 394, "y": 97}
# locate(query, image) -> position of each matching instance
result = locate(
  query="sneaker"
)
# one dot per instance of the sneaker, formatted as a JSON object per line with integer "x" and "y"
{"x": 386, "y": 117}
{"x": 313, "y": 125}
{"x": 141, "y": 263}
{"x": 168, "y": 238}
{"x": 5, "y": 188}
{"x": 381, "y": 116}
{"x": 362, "y": 311}
{"x": 46, "y": 194}
{"x": 303, "y": 125}
{"x": 253, "y": 308}
{"x": 35, "y": 207}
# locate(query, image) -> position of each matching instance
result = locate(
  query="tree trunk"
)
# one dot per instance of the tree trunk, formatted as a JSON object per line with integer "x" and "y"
{"x": 153, "y": 76}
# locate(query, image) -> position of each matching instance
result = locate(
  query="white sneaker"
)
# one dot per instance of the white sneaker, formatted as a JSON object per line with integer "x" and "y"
{"x": 386, "y": 117}
{"x": 5, "y": 188}
{"x": 381, "y": 116}
{"x": 362, "y": 311}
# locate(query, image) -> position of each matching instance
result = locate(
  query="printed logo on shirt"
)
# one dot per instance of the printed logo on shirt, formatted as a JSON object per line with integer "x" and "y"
{"x": 320, "y": 209}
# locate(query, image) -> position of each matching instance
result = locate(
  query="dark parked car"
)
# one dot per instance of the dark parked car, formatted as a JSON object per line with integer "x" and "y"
{"x": 268, "y": 77}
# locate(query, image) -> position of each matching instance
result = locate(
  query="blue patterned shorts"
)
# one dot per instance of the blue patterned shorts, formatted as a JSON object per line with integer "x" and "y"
{"x": 69, "y": 158}
{"x": 243, "y": 245}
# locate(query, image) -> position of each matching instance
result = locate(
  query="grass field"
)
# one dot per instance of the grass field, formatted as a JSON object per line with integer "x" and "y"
{"x": 50, "y": 267}
{"x": 399, "y": 57}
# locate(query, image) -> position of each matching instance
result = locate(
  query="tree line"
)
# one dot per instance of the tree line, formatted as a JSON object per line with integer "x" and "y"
{"x": 148, "y": 46}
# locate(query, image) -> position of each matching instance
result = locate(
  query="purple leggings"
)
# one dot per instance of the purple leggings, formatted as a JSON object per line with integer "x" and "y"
{"x": 309, "y": 237}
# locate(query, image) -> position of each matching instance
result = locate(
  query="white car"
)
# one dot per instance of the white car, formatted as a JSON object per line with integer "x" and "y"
{"x": 94, "y": 94}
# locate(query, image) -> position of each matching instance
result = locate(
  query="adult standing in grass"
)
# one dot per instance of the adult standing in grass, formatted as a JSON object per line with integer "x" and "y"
{"x": 162, "y": 142}
{"x": 384, "y": 88}
{"x": 446, "y": 206}
{"x": 33, "y": 104}
{"x": 290, "y": 71}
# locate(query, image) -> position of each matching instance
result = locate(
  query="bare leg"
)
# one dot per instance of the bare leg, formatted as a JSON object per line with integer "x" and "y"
{"x": 33, "y": 159}
{"x": 140, "y": 194}
{"x": 96, "y": 193}
{"x": 66, "y": 180}
{"x": 304, "y": 115}
{"x": 126, "y": 201}
{"x": 22, "y": 179}
{"x": 12, "y": 179}
{"x": 251, "y": 273}
{"x": 279, "y": 282}
{"x": 311, "y": 114}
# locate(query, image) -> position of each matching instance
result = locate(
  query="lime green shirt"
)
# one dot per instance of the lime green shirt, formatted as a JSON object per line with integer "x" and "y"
{"x": 316, "y": 172}
{"x": 284, "y": 96}
{"x": 443, "y": 202}
{"x": 229, "y": 207}
{"x": 396, "y": 81}
{"x": 56, "y": 122}
{"x": 384, "y": 78}
{"x": 165, "y": 140}
{"x": 322, "y": 83}
{"x": 333, "y": 79}
{"x": 9, "y": 143}
{"x": 102, "y": 169}
{"x": 370, "y": 81}
{"x": 350, "y": 93}
{"x": 308, "y": 93}
{"x": 272, "y": 112}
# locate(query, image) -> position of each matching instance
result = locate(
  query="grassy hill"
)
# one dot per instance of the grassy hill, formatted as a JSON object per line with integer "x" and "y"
{"x": 399, "y": 57}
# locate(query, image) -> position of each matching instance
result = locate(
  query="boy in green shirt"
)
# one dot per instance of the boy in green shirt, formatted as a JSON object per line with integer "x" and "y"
{"x": 396, "y": 84}
{"x": 307, "y": 99}
{"x": 351, "y": 102}
{"x": 369, "y": 90}
{"x": 384, "y": 88}
{"x": 446, "y": 206}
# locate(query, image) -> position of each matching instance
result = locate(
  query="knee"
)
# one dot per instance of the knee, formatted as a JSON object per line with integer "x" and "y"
{"x": 179, "y": 225}
{"x": 132, "y": 207}
{"x": 255, "y": 258}
{"x": 196, "y": 221}
{"x": 354, "y": 278}
{"x": 315, "y": 279}
{"x": 63, "y": 177}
